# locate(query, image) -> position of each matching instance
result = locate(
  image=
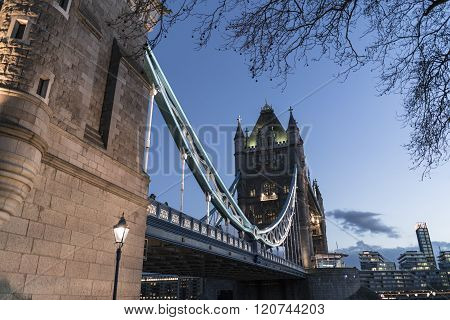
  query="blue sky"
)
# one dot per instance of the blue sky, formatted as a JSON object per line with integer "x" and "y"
{"x": 353, "y": 143}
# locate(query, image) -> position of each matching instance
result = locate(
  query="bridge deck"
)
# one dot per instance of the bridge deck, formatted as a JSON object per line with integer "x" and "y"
{"x": 179, "y": 244}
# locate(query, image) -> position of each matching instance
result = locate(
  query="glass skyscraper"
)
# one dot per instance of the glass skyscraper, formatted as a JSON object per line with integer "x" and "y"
{"x": 423, "y": 237}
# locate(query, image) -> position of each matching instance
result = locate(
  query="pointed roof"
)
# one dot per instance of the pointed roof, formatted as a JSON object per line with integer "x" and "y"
{"x": 267, "y": 118}
{"x": 239, "y": 131}
{"x": 292, "y": 121}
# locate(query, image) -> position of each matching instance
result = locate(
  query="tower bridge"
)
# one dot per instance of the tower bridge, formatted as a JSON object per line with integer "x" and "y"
{"x": 73, "y": 157}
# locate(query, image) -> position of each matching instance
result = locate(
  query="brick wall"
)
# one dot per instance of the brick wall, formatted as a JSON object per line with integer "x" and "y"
{"x": 67, "y": 192}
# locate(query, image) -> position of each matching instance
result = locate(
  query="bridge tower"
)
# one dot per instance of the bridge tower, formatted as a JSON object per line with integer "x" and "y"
{"x": 73, "y": 106}
{"x": 266, "y": 158}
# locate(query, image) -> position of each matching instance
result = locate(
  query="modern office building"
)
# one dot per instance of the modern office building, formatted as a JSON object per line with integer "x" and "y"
{"x": 418, "y": 277}
{"x": 169, "y": 287}
{"x": 402, "y": 280}
{"x": 444, "y": 261}
{"x": 414, "y": 261}
{"x": 374, "y": 261}
{"x": 330, "y": 260}
{"x": 423, "y": 237}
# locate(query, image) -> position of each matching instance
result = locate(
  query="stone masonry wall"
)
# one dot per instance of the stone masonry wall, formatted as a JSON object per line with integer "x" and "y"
{"x": 60, "y": 194}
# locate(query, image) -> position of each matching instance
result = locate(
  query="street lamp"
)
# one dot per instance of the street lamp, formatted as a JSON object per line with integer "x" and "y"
{"x": 120, "y": 233}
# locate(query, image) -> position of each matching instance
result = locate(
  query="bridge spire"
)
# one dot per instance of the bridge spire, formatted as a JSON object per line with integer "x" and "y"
{"x": 239, "y": 131}
{"x": 292, "y": 121}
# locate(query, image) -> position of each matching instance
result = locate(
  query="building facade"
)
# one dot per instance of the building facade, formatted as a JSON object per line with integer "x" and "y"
{"x": 444, "y": 261}
{"x": 414, "y": 261}
{"x": 72, "y": 116}
{"x": 425, "y": 246}
{"x": 329, "y": 260}
{"x": 266, "y": 158}
{"x": 401, "y": 280}
{"x": 374, "y": 261}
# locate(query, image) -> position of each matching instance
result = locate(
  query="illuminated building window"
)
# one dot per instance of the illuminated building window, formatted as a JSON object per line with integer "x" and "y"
{"x": 268, "y": 192}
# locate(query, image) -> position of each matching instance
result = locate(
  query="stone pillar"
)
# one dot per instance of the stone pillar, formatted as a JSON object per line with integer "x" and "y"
{"x": 24, "y": 116}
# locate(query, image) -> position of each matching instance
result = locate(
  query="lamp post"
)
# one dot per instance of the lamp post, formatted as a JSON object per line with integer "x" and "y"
{"x": 120, "y": 233}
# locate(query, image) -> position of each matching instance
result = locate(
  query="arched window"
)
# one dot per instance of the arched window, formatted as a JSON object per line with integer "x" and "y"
{"x": 267, "y": 189}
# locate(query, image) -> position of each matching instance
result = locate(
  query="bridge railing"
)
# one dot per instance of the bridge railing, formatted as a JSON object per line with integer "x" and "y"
{"x": 166, "y": 213}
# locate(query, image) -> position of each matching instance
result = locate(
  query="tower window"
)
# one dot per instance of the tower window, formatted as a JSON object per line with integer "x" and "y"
{"x": 19, "y": 29}
{"x": 42, "y": 88}
{"x": 269, "y": 192}
{"x": 64, "y": 4}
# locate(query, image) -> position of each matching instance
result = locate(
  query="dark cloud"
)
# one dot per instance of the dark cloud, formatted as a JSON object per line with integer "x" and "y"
{"x": 361, "y": 222}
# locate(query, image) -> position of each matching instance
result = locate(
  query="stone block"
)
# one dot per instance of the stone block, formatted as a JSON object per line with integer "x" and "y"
{"x": 62, "y": 286}
{"x": 85, "y": 255}
{"x": 72, "y": 145}
{"x": 106, "y": 258}
{"x": 36, "y": 230}
{"x": 42, "y": 198}
{"x": 51, "y": 266}
{"x": 56, "y": 234}
{"x": 15, "y": 225}
{"x": 18, "y": 243}
{"x": 53, "y": 218}
{"x": 102, "y": 288}
{"x": 58, "y": 189}
{"x": 80, "y": 287}
{"x": 9, "y": 261}
{"x": 92, "y": 202}
{"x": 62, "y": 205}
{"x": 77, "y": 269}
{"x": 89, "y": 227}
{"x": 39, "y": 284}
{"x": 29, "y": 264}
{"x": 3, "y": 238}
{"x": 91, "y": 190}
{"x": 73, "y": 223}
{"x": 81, "y": 240}
{"x": 101, "y": 272}
{"x": 76, "y": 196}
{"x": 106, "y": 245}
{"x": 67, "y": 252}
{"x": 85, "y": 213}
{"x": 66, "y": 179}
{"x": 46, "y": 248}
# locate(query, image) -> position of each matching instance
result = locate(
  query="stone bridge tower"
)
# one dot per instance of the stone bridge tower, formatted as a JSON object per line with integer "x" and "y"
{"x": 72, "y": 116}
{"x": 266, "y": 158}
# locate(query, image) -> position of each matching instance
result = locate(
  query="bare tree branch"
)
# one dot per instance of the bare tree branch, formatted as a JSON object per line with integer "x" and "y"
{"x": 406, "y": 41}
